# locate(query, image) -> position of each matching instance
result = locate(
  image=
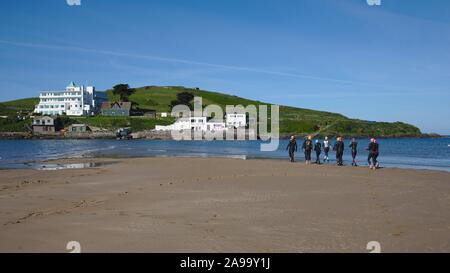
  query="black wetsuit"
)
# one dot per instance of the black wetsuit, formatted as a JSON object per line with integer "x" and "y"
{"x": 373, "y": 154}
{"x": 292, "y": 148}
{"x": 339, "y": 148}
{"x": 307, "y": 147}
{"x": 318, "y": 149}
{"x": 354, "y": 147}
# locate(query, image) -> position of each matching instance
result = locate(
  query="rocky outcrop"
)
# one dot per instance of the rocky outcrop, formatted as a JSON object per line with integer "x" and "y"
{"x": 152, "y": 134}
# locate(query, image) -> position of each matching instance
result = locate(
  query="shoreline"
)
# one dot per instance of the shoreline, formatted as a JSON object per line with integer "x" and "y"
{"x": 223, "y": 205}
{"x": 156, "y": 135}
{"x": 61, "y": 162}
{"x": 107, "y": 159}
{"x": 100, "y": 160}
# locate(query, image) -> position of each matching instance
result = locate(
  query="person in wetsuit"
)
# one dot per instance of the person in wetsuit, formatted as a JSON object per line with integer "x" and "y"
{"x": 318, "y": 149}
{"x": 339, "y": 148}
{"x": 307, "y": 148}
{"x": 292, "y": 148}
{"x": 326, "y": 149}
{"x": 373, "y": 154}
{"x": 354, "y": 148}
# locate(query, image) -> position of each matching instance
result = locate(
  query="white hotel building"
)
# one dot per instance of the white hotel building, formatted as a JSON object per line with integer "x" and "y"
{"x": 74, "y": 101}
{"x": 202, "y": 124}
{"x": 193, "y": 123}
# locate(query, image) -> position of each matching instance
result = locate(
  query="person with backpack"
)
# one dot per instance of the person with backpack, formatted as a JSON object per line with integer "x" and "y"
{"x": 354, "y": 148}
{"x": 318, "y": 149}
{"x": 339, "y": 148}
{"x": 292, "y": 148}
{"x": 373, "y": 154}
{"x": 307, "y": 148}
{"x": 326, "y": 149}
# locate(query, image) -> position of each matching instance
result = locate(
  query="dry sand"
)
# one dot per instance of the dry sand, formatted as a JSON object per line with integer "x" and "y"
{"x": 224, "y": 205}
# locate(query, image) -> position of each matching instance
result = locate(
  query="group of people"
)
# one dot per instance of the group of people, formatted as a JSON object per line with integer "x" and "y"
{"x": 309, "y": 146}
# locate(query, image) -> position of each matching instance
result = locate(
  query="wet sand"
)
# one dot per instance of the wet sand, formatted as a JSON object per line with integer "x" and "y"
{"x": 223, "y": 205}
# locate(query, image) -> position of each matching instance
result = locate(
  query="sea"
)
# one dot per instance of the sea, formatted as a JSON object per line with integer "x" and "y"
{"x": 413, "y": 153}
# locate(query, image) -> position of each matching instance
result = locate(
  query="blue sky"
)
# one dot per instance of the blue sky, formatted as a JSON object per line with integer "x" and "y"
{"x": 384, "y": 63}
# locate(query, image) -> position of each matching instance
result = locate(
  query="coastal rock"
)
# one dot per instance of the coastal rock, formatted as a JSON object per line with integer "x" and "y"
{"x": 151, "y": 134}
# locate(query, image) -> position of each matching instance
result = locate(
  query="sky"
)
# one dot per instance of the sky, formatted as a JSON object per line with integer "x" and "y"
{"x": 383, "y": 63}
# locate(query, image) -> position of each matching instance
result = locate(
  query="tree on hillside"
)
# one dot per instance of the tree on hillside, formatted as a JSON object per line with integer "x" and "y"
{"x": 184, "y": 98}
{"x": 63, "y": 121}
{"x": 123, "y": 91}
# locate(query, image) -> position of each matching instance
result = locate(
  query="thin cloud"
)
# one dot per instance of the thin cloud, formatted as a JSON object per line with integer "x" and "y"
{"x": 190, "y": 62}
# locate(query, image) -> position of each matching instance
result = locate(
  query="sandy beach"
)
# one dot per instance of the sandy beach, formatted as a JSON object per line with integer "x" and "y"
{"x": 223, "y": 205}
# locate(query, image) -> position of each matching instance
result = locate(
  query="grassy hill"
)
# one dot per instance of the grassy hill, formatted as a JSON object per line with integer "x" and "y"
{"x": 10, "y": 111}
{"x": 292, "y": 120}
{"x": 12, "y": 107}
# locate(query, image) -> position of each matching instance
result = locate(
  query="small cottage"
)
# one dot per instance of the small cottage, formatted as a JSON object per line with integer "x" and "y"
{"x": 78, "y": 128}
{"x": 43, "y": 125}
{"x": 120, "y": 109}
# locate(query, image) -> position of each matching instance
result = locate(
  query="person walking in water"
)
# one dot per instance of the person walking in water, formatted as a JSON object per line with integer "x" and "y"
{"x": 307, "y": 148}
{"x": 373, "y": 154}
{"x": 354, "y": 148}
{"x": 326, "y": 149}
{"x": 292, "y": 148}
{"x": 318, "y": 149}
{"x": 339, "y": 148}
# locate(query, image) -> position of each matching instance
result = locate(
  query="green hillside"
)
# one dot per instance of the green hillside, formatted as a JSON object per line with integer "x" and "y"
{"x": 12, "y": 107}
{"x": 11, "y": 110}
{"x": 292, "y": 120}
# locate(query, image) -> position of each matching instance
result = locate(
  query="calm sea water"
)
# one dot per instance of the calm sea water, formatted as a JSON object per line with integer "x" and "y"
{"x": 433, "y": 154}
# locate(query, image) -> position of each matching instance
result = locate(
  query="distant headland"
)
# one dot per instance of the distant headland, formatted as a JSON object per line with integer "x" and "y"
{"x": 143, "y": 108}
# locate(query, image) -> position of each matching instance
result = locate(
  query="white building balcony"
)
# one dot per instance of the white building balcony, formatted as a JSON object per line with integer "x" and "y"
{"x": 49, "y": 96}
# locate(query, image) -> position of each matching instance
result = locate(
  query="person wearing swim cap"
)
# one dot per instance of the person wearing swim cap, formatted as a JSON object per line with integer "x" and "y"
{"x": 307, "y": 148}
{"x": 318, "y": 149}
{"x": 292, "y": 148}
{"x": 339, "y": 148}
